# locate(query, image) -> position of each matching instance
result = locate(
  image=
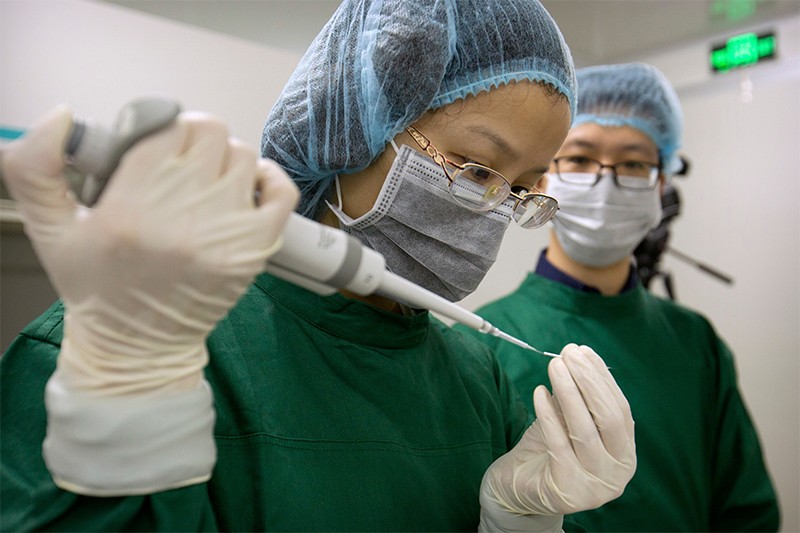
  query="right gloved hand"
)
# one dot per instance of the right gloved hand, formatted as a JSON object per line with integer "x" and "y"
{"x": 145, "y": 275}
{"x": 579, "y": 453}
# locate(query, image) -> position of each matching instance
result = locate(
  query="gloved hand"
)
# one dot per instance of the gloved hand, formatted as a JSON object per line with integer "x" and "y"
{"x": 578, "y": 454}
{"x": 145, "y": 275}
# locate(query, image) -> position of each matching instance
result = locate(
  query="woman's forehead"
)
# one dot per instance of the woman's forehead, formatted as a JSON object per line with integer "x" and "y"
{"x": 514, "y": 114}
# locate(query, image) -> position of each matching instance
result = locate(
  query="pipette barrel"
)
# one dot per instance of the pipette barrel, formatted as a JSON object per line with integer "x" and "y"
{"x": 418, "y": 297}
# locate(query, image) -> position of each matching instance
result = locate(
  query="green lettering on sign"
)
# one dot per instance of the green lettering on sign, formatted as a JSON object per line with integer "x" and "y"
{"x": 742, "y": 51}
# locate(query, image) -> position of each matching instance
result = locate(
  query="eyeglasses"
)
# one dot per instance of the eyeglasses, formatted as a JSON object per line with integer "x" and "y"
{"x": 479, "y": 188}
{"x": 580, "y": 170}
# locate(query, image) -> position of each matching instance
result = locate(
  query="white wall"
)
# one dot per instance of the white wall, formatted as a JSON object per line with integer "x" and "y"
{"x": 740, "y": 209}
{"x": 96, "y": 57}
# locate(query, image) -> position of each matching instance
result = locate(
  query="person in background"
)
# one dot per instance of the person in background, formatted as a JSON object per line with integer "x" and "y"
{"x": 700, "y": 466}
{"x": 170, "y": 390}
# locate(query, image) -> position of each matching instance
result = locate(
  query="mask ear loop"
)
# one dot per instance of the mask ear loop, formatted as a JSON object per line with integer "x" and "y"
{"x": 338, "y": 189}
{"x": 338, "y": 185}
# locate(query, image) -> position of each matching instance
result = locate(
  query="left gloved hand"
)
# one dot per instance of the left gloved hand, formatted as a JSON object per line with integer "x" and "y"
{"x": 145, "y": 275}
{"x": 579, "y": 453}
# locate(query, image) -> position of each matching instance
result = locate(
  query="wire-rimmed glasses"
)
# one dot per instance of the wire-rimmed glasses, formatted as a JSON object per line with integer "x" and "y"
{"x": 580, "y": 170}
{"x": 479, "y": 188}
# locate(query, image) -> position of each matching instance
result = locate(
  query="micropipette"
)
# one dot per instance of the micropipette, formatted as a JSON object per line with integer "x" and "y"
{"x": 314, "y": 256}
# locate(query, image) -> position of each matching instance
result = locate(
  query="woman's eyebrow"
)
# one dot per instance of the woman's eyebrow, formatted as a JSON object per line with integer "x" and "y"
{"x": 501, "y": 143}
{"x": 495, "y": 138}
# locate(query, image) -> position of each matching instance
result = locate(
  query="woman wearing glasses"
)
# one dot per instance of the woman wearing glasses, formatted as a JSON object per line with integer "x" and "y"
{"x": 420, "y": 127}
{"x": 700, "y": 466}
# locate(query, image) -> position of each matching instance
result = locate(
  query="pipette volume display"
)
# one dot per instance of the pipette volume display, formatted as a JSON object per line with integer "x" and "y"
{"x": 314, "y": 256}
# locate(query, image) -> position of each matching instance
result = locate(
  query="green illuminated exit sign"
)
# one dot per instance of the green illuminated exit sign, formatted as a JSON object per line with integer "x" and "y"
{"x": 743, "y": 51}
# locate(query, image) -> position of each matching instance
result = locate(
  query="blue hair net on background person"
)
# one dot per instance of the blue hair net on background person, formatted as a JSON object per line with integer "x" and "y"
{"x": 378, "y": 65}
{"x": 636, "y": 95}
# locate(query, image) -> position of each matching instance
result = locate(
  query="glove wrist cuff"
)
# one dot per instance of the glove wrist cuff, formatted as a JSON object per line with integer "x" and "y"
{"x": 125, "y": 445}
{"x": 493, "y": 520}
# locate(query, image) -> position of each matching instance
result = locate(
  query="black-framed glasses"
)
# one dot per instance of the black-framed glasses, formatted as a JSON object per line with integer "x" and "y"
{"x": 479, "y": 188}
{"x": 580, "y": 170}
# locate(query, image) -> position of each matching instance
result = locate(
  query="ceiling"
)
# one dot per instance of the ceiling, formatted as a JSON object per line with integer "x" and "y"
{"x": 598, "y": 31}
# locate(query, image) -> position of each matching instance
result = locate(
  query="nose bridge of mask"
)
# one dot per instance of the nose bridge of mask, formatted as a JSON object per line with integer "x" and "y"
{"x": 581, "y": 196}
{"x": 431, "y": 174}
{"x": 421, "y": 172}
{"x": 427, "y": 174}
{"x": 607, "y": 174}
{"x": 476, "y": 193}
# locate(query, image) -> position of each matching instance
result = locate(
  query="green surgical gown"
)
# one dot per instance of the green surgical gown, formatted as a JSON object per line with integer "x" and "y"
{"x": 699, "y": 462}
{"x": 332, "y": 415}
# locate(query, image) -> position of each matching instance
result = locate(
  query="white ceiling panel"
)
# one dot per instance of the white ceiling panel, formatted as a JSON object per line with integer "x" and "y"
{"x": 598, "y": 31}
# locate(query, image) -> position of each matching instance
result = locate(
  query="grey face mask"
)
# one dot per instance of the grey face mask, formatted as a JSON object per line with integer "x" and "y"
{"x": 424, "y": 235}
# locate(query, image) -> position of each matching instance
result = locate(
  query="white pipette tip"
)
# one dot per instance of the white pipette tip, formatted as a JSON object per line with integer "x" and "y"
{"x": 513, "y": 340}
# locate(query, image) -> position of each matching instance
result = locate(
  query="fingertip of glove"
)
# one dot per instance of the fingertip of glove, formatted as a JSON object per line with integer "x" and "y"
{"x": 271, "y": 169}
{"x": 41, "y": 147}
{"x": 570, "y": 348}
{"x": 574, "y": 354}
{"x": 276, "y": 182}
{"x": 540, "y": 395}
{"x": 57, "y": 123}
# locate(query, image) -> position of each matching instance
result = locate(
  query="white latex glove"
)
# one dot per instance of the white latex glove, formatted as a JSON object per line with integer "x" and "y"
{"x": 145, "y": 275}
{"x": 577, "y": 455}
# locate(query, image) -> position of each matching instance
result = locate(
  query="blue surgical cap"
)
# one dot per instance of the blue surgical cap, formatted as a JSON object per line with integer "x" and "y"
{"x": 378, "y": 65}
{"x": 636, "y": 95}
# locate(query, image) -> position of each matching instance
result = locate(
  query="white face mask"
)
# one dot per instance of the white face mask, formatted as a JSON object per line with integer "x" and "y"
{"x": 425, "y": 236}
{"x": 601, "y": 225}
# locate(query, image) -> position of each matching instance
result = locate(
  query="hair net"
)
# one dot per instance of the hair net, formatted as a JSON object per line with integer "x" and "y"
{"x": 637, "y": 95}
{"x": 378, "y": 65}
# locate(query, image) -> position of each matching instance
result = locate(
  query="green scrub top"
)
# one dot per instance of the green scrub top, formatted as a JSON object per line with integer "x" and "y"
{"x": 332, "y": 415}
{"x": 699, "y": 462}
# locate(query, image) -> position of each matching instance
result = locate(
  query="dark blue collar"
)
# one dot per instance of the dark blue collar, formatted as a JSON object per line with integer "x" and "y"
{"x": 547, "y": 270}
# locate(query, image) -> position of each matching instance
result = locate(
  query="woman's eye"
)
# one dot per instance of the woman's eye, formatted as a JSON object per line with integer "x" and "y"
{"x": 632, "y": 165}
{"x": 481, "y": 173}
{"x": 575, "y": 163}
{"x": 577, "y": 160}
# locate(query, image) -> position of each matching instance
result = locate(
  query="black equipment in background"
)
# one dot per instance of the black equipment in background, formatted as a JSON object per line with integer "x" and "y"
{"x": 648, "y": 253}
